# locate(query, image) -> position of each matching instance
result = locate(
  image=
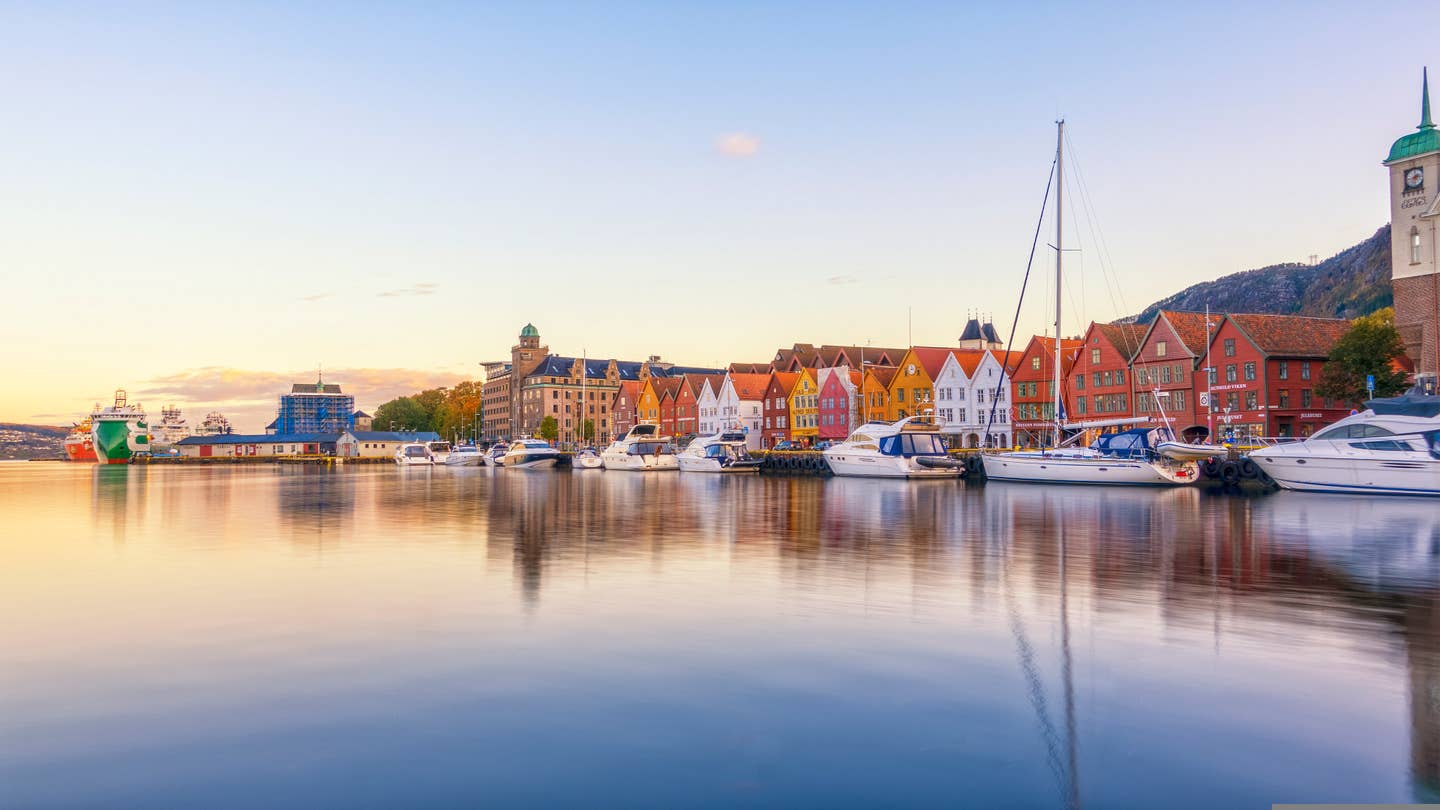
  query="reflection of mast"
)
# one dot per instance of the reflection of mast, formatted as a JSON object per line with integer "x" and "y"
{"x": 1072, "y": 798}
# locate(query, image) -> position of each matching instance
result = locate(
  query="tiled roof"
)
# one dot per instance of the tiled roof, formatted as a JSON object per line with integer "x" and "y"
{"x": 749, "y": 368}
{"x": 665, "y": 386}
{"x": 787, "y": 380}
{"x": 1292, "y": 335}
{"x": 1125, "y": 337}
{"x": 1190, "y": 328}
{"x": 969, "y": 359}
{"x": 681, "y": 371}
{"x": 750, "y": 386}
{"x": 697, "y": 383}
{"x": 882, "y": 374}
{"x": 931, "y": 358}
{"x": 357, "y": 415}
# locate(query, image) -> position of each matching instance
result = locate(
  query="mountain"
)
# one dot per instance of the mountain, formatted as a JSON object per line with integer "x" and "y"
{"x": 31, "y": 441}
{"x": 1354, "y": 282}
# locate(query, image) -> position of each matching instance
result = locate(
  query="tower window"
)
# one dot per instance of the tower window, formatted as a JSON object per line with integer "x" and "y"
{"x": 1414, "y": 245}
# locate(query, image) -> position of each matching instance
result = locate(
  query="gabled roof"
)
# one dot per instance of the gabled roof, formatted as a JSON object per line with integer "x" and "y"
{"x": 357, "y": 415}
{"x": 749, "y": 368}
{"x": 786, "y": 380}
{"x": 665, "y": 386}
{"x": 1189, "y": 327}
{"x": 930, "y": 358}
{"x": 681, "y": 371}
{"x": 749, "y": 386}
{"x": 696, "y": 383}
{"x": 1291, "y": 335}
{"x": 631, "y": 387}
{"x": 1125, "y": 337}
{"x": 1045, "y": 346}
{"x": 968, "y": 359}
{"x": 882, "y": 374}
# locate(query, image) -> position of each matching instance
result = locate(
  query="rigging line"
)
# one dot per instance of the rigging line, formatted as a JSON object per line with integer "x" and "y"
{"x": 1034, "y": 688}
{"x": 1010, "y": 343}
{"x": 1074, "y": 307}
{"x": 1107, "y": 262}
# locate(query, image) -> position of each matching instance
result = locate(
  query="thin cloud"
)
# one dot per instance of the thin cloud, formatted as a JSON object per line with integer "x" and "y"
{"x": 839, "y": 281}
{"x": 316, "y": 297}
{"x": 738, "y": 144}
{"x": 423, "y": 288}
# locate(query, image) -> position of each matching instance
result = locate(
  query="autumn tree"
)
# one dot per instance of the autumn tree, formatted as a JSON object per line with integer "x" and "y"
{"x": 1370, "y": 347}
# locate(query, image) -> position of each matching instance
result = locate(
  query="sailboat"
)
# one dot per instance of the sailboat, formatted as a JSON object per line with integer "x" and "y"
{"x": 1128, "y": 458}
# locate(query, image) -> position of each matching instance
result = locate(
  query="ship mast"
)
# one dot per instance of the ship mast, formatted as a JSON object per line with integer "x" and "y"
{"x": 1059, "y": 256}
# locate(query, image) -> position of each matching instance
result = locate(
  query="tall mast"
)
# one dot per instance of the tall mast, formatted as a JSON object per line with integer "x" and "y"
{"x": 1059, "y": 257}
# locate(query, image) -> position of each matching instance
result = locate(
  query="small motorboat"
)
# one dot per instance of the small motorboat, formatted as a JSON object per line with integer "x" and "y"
{"x": 1192, "y": 445}
{"x": 495, "y": 453}
{"x": 466, "y": 455}
{"x": 414, "y": 455}
{"x": 643, "y": 449}
{"x": 721, "y": 453}
{"x": 439, "y": 450}
{"x": 587, "y": 459}
{"x": 909, "y": 448}
{"x": 529, "y": 454}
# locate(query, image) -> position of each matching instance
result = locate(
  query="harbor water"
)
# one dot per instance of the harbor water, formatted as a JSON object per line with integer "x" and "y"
{"x": 367, "y": 636}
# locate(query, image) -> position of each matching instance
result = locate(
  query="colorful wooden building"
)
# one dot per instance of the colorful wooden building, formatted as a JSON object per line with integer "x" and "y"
{"x": 777, "y": 406}
{"x": 1265, "y": 370}
{"x": 1099, "y": 385}
{"x": 839, "y": 402}
{"x": 1167, "y": 373}
{"x": 1033, "y": 386}
{"x": 805, "y": 409}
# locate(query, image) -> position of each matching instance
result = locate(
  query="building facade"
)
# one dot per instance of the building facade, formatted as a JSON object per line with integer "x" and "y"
{"x": 1032, "y": 388}
{"x": 1168, "y": 372}
{"x": 972, "y": 399}
{"x": 805, "y": 409}
{"x": 741, "y": 403}
{"x": 1099, "y": 386}
{"x": 776, "y": 407}
{"x": 839, "y": 402}
{"x": 1267, "y": 368}
{"x": 317, "y": 408}
{"x": 1414, "y": 168}
{"x": 624, "y": 405}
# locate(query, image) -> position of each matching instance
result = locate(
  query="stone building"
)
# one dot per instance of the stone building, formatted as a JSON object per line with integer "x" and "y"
{"x": 1414, "y": 164}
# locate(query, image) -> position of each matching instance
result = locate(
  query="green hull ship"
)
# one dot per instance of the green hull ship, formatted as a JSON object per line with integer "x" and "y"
{"x": 119, "y": 432}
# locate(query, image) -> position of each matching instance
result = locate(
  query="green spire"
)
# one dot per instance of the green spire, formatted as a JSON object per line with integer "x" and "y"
{"x": 1425, "y": 100}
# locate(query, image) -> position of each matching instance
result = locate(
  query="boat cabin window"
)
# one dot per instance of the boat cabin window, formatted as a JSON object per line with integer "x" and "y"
{"x": 1353, "y": 432}
{"x": 651, "y": 448}
{"x": 912, "y": 444}
{"x": 1384, "y": 445}
{"x": 439, "y": 446}
{"x": 415, "y": 451}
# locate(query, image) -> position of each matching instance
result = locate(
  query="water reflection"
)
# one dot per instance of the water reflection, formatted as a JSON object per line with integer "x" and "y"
{"x": 716, "y": 639}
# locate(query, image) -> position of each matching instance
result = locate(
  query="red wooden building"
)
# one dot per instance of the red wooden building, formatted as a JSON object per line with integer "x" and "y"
{"x": 1032, "y": 388}
{"x": 1098, "y": 385}
{"x": 839, "y": 405}
{"x": 1171, "y": 362}
{"x": 622, "y": 406}
{"x": 1265, "y": 368}
{"x": 666, "y": 388}
{"x": 776, "y": 410}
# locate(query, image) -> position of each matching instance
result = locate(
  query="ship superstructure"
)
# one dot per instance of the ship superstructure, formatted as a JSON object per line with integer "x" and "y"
{"x": 119, "y": 432}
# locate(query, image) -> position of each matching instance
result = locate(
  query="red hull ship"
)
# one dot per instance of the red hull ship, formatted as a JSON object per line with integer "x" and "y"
{"x": 79, "y": 446}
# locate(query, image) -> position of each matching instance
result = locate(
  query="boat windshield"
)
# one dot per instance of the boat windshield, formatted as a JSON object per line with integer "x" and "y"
{"x": 651, "y": 449}
{"x": 439, "y": 447}
{"x": 912, "y": 444}
{"x": 724, "y": 451}
{"x": 415, "y": 451}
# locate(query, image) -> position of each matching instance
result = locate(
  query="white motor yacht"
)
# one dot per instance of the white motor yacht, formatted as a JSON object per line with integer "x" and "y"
{"x": 721, "y": 453}
{"x": 529, "y": 454}
{"x": 1393, "y": 448}
{"x": 439, "y": 450}
{"x": 642, "y": 449}
{"x": 466, "y": 455}
{"x": 909, "y": 448}
{"x": 587, "y": 459}
{"x": 495, "y": 453}
{"x": 1126, "y": 458}
{"x": 414, "y": 455}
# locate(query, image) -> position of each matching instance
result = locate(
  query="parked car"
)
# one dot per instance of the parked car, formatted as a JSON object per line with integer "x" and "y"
{"x": 784, "y": 445}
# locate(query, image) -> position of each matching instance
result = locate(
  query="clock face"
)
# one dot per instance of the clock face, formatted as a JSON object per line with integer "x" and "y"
{"x": 910, "y": 369}
{"x": 1415, "y": 178}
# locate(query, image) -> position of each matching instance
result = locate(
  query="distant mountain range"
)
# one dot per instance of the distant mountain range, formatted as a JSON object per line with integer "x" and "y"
{"x": 31, "y": 441}
{"x": 1354, "y": 282}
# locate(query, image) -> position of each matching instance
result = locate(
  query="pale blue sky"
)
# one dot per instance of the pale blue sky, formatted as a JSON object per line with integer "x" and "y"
{"x": 198, "y": 186}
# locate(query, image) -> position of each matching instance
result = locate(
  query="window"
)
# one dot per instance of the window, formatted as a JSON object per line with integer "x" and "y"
{"x": 1414, "y": 245}
{"x": 962, "y": 414}
{"x": 1250, "y": 371}
{"x": 1284, "y": 398}
{"x": 1232, "y": 400}
{"x": 1108, "y": 378}
{"x": 1079, "y": 382}
{"x": 1251, "y": 401}
{"x": 1305, "y": 370}
{"x": 899, "y": 394}
{"x": 1284, "y": 370}
{"x": 1094, "y": 357}
{"x": 1035, "y": 363}
{"x": 1080, "y": 404}
{"x": 1230, "y": 372}
{"x": 1229, "y": 347}
{"x": 1119, "y": 376}
{"x": 1160, "y": 348}
{"x": 1306, "y": 397}
{"x": 1164, "y": 374}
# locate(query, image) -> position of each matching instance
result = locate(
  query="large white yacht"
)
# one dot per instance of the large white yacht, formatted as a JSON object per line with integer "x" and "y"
{"x": 909, "y": 448}
{"x": 439, "y": 450}
{"x": 721, "y": 453}
{"x": 529, "y": 454}
{"x": 1126, "y": 458}
{"x": 465, "y": 455}
{"x": 642, "y": 449}
{"x": 1393, "y": 448}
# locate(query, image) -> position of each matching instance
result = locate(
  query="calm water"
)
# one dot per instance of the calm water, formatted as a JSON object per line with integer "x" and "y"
{"x": 373, "y": 636}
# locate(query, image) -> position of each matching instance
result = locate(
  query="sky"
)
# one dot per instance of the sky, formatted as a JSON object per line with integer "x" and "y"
{"x": 201, "y": 202}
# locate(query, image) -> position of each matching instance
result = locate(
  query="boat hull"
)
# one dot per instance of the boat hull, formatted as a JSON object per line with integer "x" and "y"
{"x": 529, "y": 463}
{"x": 1049, "y": 469}
{"x": 117, "y": 440}
{"x": 712, "y": 465}
{"x": 632, "y": 463}
{"x": 855, "y": 465}
{"x": 464, "y": 460}
{"x": 79, "y": 448}
{"x": 1414, "y": 474}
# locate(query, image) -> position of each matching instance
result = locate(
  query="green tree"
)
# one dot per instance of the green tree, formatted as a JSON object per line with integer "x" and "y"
{"x": 433, "y": 402}
{"x": 549, "y": 429}
{"x": 1370, "y": 347}
{"x": 402, "y": 413}
{"x": 587, "y": 430}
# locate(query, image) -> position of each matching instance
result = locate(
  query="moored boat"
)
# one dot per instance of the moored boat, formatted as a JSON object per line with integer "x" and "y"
{"x": 466, "y": 455}
{"x": 587, "y": 459}
{"x": 495, "y": 453}
{"x": 529, "y": 454}
{"x": 414, "y": 454}
{"x": 119, "y": 432}
{"x": 909, "y": 448}
{"x": 642, "y": 449}
{"x": 720, "y": 453}
{"x": 79, "y": 445}
{"x": 439, "y": 450}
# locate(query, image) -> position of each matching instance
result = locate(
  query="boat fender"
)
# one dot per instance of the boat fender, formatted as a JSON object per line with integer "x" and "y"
{"x": 1230, "y": 472}
{"x": 1210, "y": 467}
{"x": 1248, "y": 468}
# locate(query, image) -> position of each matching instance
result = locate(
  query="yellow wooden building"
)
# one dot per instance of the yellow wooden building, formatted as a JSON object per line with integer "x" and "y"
{"x": 805, "y": 408}
{"x": 875, "y": 390}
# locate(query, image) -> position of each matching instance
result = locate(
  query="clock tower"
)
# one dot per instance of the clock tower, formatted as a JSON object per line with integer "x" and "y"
{"x": 1414, "y": 164}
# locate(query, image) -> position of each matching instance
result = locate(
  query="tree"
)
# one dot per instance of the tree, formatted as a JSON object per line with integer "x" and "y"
{"x": 549, "y": 429}
{"x": 402, "y": 413}
{"x": 1370, "y": 347}
{"x": 587, "y": 430}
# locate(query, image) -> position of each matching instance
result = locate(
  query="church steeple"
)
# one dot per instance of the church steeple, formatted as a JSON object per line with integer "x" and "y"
{"x": 1425, "y": 122}
{"x": 1426, "y": 137}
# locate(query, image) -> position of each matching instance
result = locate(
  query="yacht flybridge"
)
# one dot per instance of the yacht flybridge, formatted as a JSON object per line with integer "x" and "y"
{"x": 720, "y": 453}
{"x": 909, "y": 448}
{"x": 643, "y": 449}
{"x": 1131, "y": 457}
{"x": 1393, "y": 448}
